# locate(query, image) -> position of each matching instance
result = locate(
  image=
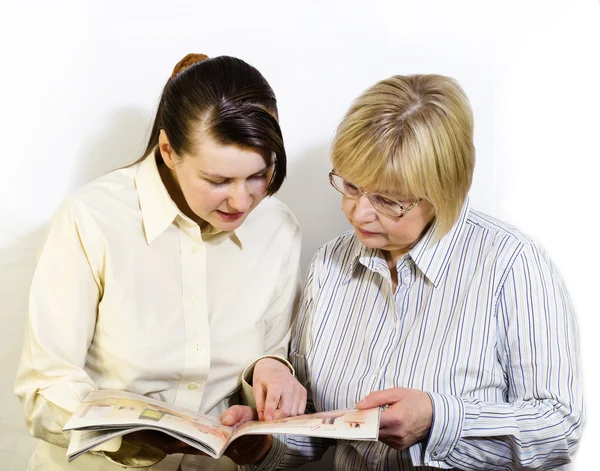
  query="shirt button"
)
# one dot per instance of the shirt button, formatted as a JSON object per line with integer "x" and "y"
{"x": 406, "y": 280}
{"x": 434, "y": 454}
{"x": 198, "y": 346}
{"x": 192, "y": 386}
{"x": 195, "y": 299}
{"x": 194, "y": 248}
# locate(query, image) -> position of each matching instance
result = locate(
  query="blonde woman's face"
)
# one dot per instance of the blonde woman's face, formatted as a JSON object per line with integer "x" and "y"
{"x": 395, "y": 235}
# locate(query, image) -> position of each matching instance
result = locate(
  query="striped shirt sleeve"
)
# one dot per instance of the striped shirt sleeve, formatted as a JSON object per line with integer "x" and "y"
{"x": 540, "y": 424}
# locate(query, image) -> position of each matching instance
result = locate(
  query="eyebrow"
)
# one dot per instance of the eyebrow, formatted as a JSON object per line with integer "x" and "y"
{"x": 217, "y": 176}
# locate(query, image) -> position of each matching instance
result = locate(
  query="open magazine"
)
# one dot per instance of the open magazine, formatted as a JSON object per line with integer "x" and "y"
{"x": 106, "y": 414}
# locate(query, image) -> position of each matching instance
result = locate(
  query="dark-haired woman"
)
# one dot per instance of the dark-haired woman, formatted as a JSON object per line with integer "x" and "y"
{"x": 171, "y": 276}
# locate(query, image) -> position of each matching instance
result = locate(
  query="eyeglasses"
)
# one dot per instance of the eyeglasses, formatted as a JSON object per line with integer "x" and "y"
{"x": 382, "y": 204}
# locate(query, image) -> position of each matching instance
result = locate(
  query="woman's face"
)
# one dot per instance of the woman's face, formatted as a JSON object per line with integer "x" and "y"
{"x": 394, "y": 235}
{"x": 219, "y": 185}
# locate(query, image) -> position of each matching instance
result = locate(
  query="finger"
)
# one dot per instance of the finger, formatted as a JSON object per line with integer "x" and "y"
{"x": 381, "y": 398}
{"x": 301, "y": 407}
{"x": 299, "y": 398}
{"x": 286, "y": 402}
{"x": 392, "y": 443}
{"x": 387, "y": 432}
{"x": 237, "y": 415}
{"x": 259, "y": 400}
{"x": 271, "y": 403}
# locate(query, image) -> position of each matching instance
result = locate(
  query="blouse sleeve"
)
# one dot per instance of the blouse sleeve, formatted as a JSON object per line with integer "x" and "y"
{"x": 66, "y": 288}
{"x": 65, "y": 291}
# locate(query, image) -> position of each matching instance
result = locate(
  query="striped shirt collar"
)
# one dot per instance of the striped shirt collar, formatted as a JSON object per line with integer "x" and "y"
{"x": 431, "y": 258}
{"x": 159, "y": 210}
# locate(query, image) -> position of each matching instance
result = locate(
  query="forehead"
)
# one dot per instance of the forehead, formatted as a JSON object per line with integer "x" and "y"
{"x": 210, "y": 157}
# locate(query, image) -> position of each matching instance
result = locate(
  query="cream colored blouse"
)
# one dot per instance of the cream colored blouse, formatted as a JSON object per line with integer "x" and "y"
{"x": 129, "y": 294}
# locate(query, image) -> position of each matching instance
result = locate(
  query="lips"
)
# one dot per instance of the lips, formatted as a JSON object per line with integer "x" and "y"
{"x": 366, "y": 233}
{"x": 229, "y": 216}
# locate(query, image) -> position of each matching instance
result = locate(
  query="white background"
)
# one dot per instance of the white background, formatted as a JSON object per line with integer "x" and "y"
{"x": 80, "y": 82}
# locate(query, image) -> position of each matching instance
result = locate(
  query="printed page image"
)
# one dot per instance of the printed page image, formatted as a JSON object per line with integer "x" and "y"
{"x": 348, "y": 424}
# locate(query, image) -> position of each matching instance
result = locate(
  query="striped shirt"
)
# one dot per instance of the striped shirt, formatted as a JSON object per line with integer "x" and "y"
{"x": 480, "y": 320}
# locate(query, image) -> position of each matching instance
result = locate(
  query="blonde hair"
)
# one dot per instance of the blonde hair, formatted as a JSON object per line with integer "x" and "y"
{"x": 410, "y": 136}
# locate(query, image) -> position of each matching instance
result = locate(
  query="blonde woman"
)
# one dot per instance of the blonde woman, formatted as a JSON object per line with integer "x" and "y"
{"x": 456, "y": 323}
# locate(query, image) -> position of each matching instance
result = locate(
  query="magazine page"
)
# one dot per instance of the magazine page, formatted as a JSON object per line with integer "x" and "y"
{"x": 106, "y": 409}
{"x": 83, "y": 441}
{"x": 347, "y": 424}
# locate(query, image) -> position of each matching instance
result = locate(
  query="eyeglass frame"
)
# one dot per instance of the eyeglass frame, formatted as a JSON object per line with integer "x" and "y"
{"x": 368, "y": 195}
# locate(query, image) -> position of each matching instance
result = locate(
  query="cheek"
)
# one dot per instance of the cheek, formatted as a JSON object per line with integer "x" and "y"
{"x": 199, "y": 195}
{"x": 347, "y": 206}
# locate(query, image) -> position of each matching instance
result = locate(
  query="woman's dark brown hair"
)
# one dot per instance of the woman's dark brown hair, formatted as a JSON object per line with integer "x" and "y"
{"x": 225, "y": 99}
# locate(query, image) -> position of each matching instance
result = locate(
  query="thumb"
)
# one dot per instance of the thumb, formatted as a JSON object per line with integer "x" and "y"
{"x": 380, "y": 398}
{"x": 237, "y": 415}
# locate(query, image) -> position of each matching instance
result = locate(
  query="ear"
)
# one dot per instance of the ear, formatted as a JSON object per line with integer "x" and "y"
{"x": 166, "y": 152}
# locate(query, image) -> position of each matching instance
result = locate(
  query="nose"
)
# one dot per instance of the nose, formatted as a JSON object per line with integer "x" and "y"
{"x": 363, "y": 210}
{"x": 240, "y": 198}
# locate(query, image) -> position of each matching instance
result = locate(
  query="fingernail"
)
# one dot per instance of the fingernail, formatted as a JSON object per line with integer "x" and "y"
{"x": 226, "y": 418}
{"x": 360, "y": 403}
{"x": 269, "y": 416}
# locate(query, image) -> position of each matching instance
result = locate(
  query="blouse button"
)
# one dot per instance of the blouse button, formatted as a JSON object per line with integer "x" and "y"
{"x": 406, "y": 280}
{"x": 194, "y": 248}
{"x": 198, "y": 346}
{"x": 192, "y": 386}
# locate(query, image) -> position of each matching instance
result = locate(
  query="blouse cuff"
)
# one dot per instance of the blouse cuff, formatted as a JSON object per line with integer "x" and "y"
{"x": 134, "y": 455}
{"x": 247, "y": 391}
{"x": 446, "y": 428}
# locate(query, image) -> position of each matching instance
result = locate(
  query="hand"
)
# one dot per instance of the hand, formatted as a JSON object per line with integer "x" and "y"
{"x": 163, "y": 442}
{"x": 276, "y": 392}
{"x": 250, "y": 448}
{"x": 406, "y": 420}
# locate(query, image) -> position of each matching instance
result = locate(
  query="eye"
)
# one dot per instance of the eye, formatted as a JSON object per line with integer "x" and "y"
{"x": 387, "y": 202}
{"x": 350, "y": 188}
{"x": 217, "y": 183}
{"x": 262, "y": 176}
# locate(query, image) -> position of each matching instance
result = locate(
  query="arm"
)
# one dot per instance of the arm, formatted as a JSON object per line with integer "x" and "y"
{"x": 66, "y": 288}
{"x": 268, "y": 383}
{"x": 65, "y": 291}
{"x": 287, "y": 451}
{"x": 540, "y": 424}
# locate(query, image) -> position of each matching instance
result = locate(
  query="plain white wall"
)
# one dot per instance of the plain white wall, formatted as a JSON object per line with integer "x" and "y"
{"x": 81, "y": 80}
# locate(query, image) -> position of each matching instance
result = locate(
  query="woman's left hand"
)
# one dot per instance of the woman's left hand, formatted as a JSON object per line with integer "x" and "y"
{"x": 276, "y": 392}
{"x": 407, "y": 418}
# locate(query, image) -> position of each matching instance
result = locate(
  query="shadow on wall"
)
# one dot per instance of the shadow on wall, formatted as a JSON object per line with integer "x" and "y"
{"x": 121, "y": 142}
{"x": 118, "y": 144}
{"x": 315, "y": 203}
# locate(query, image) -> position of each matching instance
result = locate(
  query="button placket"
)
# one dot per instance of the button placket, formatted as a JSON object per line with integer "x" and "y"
{"x": 197, "y": 338}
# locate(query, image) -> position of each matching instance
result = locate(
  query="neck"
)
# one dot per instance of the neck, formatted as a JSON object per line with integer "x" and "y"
{"x": 176, "y": 194}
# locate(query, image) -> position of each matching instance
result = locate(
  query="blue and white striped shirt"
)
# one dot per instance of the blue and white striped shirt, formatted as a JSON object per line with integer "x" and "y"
{"x": 480, "y": 320}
